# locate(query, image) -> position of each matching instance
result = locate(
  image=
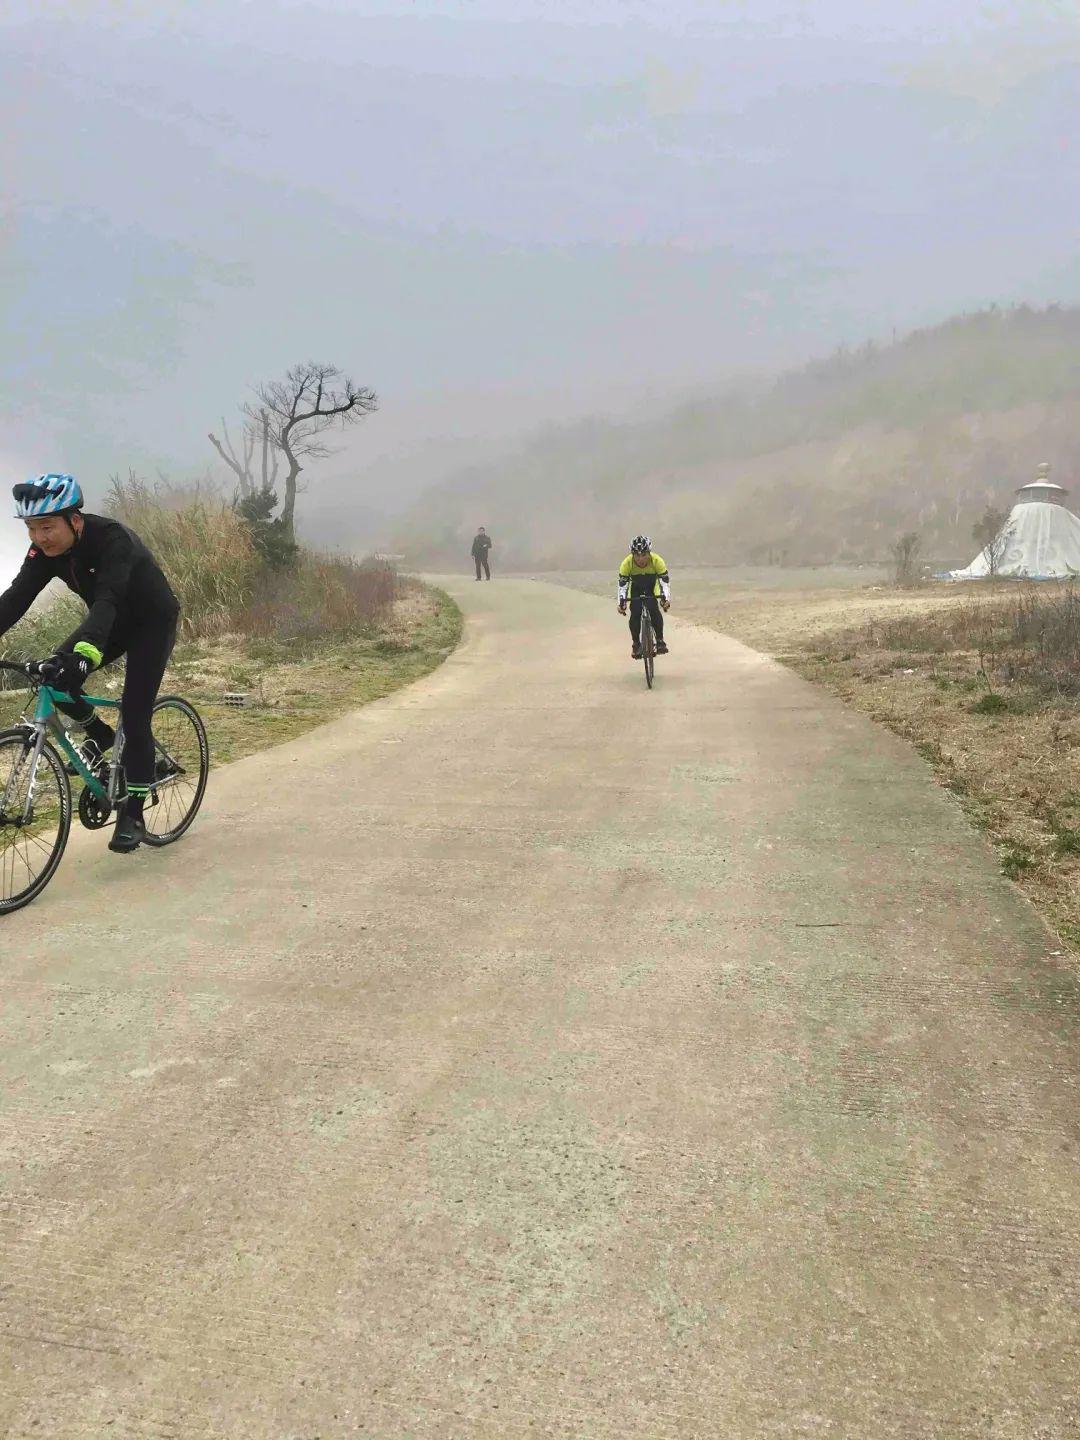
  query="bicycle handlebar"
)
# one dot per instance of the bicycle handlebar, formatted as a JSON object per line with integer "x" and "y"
{"x": 29, "y": 670}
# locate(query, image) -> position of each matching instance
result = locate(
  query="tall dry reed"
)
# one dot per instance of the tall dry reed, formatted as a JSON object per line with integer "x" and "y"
{"x": 200, "y": 542}
{"x": 223, "y": 587}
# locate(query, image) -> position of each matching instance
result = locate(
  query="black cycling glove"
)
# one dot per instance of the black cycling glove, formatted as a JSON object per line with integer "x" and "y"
{"x": 66, "y": 672}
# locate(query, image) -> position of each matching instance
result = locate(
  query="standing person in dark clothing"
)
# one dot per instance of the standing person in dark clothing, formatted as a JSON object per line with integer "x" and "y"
{"x": 480, "y": 547}
{"x": 132, "y": 612}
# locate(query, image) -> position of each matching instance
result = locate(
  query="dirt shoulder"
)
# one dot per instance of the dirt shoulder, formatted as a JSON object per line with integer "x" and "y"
{"x": 932, "y": 667}
{"x": 290, "y": 686}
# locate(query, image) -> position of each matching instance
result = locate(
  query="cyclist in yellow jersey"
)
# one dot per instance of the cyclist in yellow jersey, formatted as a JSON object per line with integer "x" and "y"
{"x": 644, "y": 580}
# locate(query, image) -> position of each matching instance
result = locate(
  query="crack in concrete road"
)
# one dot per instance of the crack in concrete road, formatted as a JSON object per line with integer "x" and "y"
{"x": 529, "y": 1054}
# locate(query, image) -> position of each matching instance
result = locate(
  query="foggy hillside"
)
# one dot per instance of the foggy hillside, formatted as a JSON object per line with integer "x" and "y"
{"x": 520, "y": 205}
{"x": 830, "y": 462}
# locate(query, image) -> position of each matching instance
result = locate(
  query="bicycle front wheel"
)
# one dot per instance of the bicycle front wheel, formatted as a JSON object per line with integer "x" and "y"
{"x": 35, "y": 817}
{"x": 648, "y": 645}
{"x": 181, "y": 765}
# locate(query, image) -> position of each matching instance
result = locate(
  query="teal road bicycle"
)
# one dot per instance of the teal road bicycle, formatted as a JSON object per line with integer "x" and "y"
{"x": 37, "y": 757}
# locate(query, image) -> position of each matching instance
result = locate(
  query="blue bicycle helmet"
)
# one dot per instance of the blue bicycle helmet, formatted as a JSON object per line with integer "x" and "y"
{"x": 47, "y": 495}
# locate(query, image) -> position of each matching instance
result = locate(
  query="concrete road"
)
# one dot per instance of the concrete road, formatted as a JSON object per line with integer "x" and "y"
{"x": 533, "y": 1055}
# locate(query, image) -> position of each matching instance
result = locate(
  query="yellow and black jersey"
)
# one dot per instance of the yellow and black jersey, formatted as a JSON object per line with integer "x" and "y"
{"x": 652, "y": 578}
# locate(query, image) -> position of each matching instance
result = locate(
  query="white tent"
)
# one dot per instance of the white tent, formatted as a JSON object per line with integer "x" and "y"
{"x": 1039, "y": 541}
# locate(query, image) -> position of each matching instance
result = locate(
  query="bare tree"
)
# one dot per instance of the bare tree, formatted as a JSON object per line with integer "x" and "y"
{"x": 256, "y": 432}
{"x": 240, "y": 464}
{"x": 990, "y": 533}
{"x": 296, "y": 413}
{"x": 905, "y": 555}
{"x": 269, "y": 449}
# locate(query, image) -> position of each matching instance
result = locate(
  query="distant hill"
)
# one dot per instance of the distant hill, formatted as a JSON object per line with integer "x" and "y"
{"x": 828, "y": 463}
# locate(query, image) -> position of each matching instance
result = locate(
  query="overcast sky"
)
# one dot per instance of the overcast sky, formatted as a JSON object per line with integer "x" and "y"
{"x": 499, "y": 211}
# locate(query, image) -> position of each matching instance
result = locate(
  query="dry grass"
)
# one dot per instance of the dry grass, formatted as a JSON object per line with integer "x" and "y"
{"x": 786, "y": 622}
{"x": 303, "y": 643}
{"x": 199, "y": 541}
{"x": 1021, "y": 635}
{"x": 292, "y": 685}
{"x": 207, "y": 552}
{"x": 323, "y": 598}
{"x": 225, "y": 590}
{"x": 985, "y": 682}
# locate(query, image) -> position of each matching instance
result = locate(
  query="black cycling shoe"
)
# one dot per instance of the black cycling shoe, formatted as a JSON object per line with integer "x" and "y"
{"x": 635, "y": 653}
{"x": 661, "y": 648}
{"x": 129, "y": 834}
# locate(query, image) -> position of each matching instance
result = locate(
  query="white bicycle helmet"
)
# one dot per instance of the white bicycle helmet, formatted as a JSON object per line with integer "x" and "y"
{"x": 47, "y": 495}
{"x": 640, "y": 545}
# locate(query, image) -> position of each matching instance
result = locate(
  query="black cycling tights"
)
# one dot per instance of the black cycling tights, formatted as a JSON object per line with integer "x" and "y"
{"x": 147, "y": 649}
{"x": 636, "y": 602}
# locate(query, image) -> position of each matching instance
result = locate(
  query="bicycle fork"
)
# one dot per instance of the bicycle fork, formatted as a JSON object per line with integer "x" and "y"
{"x": 31, "y": 755}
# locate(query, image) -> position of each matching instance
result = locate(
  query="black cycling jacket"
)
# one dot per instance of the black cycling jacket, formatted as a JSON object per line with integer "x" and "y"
{"x": 111, "y": 569}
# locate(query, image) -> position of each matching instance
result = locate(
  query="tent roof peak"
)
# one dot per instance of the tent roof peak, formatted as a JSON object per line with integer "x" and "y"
{"x": 1042, "y": 482}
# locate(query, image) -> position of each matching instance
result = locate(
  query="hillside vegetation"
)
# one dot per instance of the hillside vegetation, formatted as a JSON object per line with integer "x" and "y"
{"x": 828, "y": 463}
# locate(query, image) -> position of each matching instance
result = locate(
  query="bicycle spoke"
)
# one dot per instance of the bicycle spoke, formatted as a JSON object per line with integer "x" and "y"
{"x": 21, "y": 853}
{"x": 28, "y": 839}
{"x": 179, "y": 743}
{"x": 36, "y": 806}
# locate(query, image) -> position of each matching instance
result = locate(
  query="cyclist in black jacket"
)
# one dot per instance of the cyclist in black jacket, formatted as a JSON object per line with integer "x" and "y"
{"x": 132, "y": 612}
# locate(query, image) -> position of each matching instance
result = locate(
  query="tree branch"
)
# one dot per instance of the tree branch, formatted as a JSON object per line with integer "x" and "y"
{"x": 240, "y": 471}
{"x": 297, "y": 410}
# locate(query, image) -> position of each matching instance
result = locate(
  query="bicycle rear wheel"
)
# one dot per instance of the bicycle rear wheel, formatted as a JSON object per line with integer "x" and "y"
{"x": 35, "y": 818}
{"x": 182, "y": 763}
{"x": 648, "y": 644}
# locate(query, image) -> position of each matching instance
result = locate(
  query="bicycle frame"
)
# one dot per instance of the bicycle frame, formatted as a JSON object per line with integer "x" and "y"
{"x": 46, "y": 715}
{"x": 40, "y": 741}
{"x": 46, "y": 722}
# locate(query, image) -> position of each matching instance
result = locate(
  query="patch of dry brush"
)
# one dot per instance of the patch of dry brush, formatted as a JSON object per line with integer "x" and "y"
{"x": 988, "y": 689}
{"x": 324, "y": 597}
{"x": 201, "y": 543}
{"x": 244, "y": 622}
{"x": 1027, "y": 636}
{"x": 223, "y": 585}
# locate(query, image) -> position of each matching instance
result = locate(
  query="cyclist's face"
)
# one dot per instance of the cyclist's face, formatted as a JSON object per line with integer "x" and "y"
{"x": 643, "y": 559}
{"x": 51, "y": 534}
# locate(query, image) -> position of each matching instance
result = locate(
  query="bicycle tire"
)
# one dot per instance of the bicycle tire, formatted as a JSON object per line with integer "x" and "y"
{"x": 48, "y": 756}
{"x": 159, "y": 794}
{"x": 648, "y": 649}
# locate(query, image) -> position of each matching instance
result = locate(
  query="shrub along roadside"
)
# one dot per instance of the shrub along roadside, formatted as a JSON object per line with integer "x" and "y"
{"x": 290, "y": 683}
{"x": 321, "y": 598}
{"x": 303, "y": 641}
